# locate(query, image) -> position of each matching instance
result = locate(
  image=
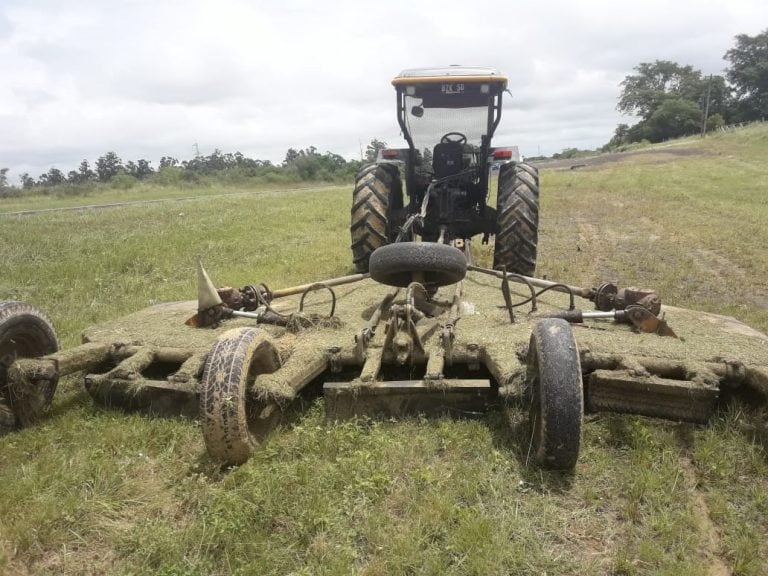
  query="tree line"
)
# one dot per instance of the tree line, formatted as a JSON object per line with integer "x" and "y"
{"x": 299, "y": 165}
{"x": 674, "y": 100}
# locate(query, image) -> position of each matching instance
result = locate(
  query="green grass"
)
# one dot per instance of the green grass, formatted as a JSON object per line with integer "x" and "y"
{"x": 64, "y": 197}
{"x": 95, "y": 491}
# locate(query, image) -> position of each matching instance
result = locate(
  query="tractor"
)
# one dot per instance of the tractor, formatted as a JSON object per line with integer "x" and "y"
{"x": 448, "y": 117}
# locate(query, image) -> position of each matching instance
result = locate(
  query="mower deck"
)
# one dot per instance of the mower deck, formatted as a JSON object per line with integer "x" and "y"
{"x": 151, "y": 360}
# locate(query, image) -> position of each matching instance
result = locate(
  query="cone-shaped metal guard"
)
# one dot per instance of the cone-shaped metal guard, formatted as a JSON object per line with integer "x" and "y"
{"x": 207, "y": 296}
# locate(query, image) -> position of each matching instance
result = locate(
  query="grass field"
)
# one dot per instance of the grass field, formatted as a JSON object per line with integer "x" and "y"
{"x": 91, "y": 491}
{"x": 74, "y": 198}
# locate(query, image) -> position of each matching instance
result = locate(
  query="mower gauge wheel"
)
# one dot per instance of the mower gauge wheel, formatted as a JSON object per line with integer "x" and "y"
{"x": 25, "y": 332}
{"x": 459, "y": 138}
{"x": 230, "y": 415}
{"x": 429, "y": 263}
{"x": 557, "y": 399}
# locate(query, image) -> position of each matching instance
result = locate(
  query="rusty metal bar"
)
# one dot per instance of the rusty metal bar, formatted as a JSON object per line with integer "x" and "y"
{"x": 449, "y": 328}
{"x": 538, "y": 282}
{"x": 372, "y": 365}
{"x": 363, "y": 338}
{"x": 402, "y": 398}
{"x": 293, "y": 290}
{"x": 508, "y": 296}
{"x": 319, "y": 286}
{"x": 622, "y": 391}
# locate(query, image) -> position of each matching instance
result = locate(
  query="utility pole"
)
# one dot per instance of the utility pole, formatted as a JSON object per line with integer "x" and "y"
{"x": 706, "y": 108}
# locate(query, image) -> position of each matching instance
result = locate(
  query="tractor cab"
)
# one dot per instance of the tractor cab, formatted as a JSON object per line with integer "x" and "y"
{"x": 448, "y": 117}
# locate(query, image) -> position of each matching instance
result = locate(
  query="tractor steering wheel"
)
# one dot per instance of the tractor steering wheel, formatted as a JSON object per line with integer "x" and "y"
{"x": 460, "y": 138}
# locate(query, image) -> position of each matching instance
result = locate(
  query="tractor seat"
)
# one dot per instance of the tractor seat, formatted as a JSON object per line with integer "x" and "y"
{"x": 447, "y": 159}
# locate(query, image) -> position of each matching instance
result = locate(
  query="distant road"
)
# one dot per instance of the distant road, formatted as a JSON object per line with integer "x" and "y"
{"x": 155, "y": 201}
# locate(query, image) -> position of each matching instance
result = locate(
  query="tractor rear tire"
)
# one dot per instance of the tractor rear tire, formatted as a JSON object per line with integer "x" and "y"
{"x": 517, "y": 219}
{"x": 25, "y": 332}
{"x": 378, "y": 193}
{"x": 532, "y": 171}
{"x": 554, "y": 385}
{"x": 430, "y": 263}
{"x": 229, "y": 412}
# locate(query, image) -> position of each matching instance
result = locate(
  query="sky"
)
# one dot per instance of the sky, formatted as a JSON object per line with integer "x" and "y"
{"x": 153, "y": 78}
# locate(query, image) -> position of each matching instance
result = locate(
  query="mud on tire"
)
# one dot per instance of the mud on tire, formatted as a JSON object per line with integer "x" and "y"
{"x": 378, "y": 193}
{"x": 554, "y": 386}
{"x": 25, "y": 332}
{"x": 228, "y": 410}
{"x": 517, "y": 219}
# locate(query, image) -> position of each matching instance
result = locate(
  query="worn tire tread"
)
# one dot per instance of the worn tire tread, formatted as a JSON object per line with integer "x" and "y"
{"x": 517, "y": 219}
{"x": 225, "y": 407}
{"x": 18, "y": 318}
{"x": 378, "y": 190}
{"x": 557, "y": 394}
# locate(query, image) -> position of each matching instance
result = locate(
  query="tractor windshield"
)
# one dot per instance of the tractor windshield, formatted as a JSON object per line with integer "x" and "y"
{"x": 435, "y": 109}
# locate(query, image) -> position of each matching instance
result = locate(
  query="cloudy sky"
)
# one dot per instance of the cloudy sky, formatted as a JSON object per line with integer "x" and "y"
{"x": 150, "y": 78}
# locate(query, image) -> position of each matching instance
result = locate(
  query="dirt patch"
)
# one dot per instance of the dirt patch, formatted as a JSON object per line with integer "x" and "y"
{"x": 718, "y": 264}
{"x": 652, "y": 156}
{"x": 593, "y": 240}
{"x": 723, "y": 272}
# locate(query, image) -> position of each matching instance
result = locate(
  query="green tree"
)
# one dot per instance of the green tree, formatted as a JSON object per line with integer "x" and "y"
{"x": 85, "y": 171}
{"x": 674, "y": 118}
{"x": 620, "y": 137}
{"x": 720, "y": 99}
{"x": 669, "y": 99}
{"x": 291, "y": 156}
{"x": 748, "y": 74}
{"x": 644, "y": 92}
{"x": 7, "y": 191}
{"x": 53, "y": 177}
{"x": 108, "y": 166}
{"x": 82, "y": 175}
{"x": 168, "y": 162}
{"x": 139, "y": 169}
{"x": 27, "y": 182}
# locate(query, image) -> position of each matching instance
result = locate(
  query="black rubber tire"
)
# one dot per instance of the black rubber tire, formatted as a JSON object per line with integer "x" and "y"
{"x": 228, "y": 409}
{"x": 378, "y": 192}
{"x": 532, "y": 171}
{"x": 554, "y": 384}
{"x": 25, "y": 332}
{"x": 517, "y": 219}
{"x": 401, "y": 263}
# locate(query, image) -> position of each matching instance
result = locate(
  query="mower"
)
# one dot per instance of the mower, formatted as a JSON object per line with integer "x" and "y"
{"x": 418, "y": 329}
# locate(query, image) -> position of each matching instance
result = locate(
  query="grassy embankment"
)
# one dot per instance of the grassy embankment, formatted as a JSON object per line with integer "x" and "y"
{"x": 93, "y": 491}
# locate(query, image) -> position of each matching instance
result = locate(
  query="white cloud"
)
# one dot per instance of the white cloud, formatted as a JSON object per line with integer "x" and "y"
{"x": 152, "y": 78}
